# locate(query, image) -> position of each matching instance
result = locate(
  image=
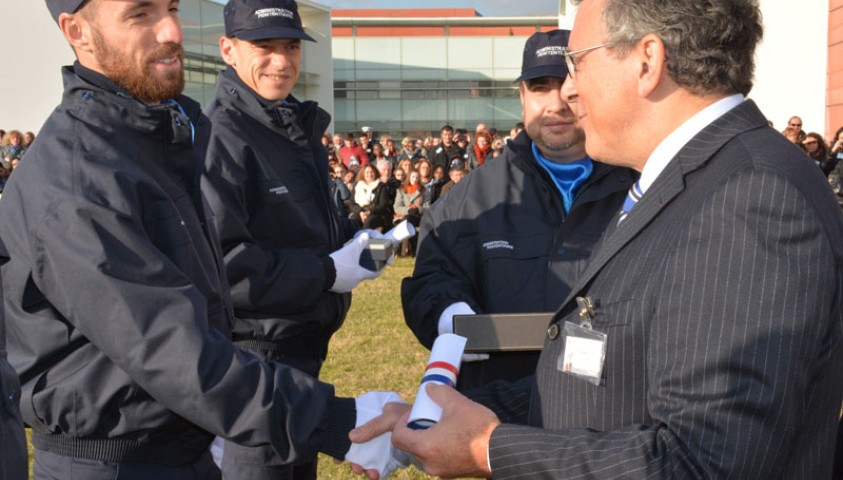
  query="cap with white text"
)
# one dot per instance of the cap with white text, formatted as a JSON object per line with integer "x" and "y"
{"x": 263, "y": 19}
{"x": 543, "y": 55}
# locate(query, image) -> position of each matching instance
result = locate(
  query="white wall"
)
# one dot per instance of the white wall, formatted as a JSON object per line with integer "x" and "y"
{"x": 30, "y": 79}
{"x": 791, "y": 62}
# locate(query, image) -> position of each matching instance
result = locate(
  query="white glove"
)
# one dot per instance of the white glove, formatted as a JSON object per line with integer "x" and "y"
{"x": 378, "y": 453}
{"x": 446, "y": 325}
{"x": 377, "y": 235}
{"x": 347, "y": 264}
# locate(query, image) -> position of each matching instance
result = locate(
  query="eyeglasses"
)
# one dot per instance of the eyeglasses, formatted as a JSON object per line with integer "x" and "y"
{"x": 795, "y": 124}
{"x": 571, "y": 62}
{"x": 810, "y": 142}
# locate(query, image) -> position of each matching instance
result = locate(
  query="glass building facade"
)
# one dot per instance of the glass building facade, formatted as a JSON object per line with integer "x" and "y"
{"x": 414, "y": 85}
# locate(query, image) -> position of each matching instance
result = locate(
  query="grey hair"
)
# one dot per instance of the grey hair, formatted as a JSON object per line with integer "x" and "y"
{"x": 710, "y": 44}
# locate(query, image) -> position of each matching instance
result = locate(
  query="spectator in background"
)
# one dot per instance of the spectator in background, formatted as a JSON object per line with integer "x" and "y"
{"x": 379, "y": 153}
{"x": 399, "y": 175}
{"x": 405, "y": 165}
{"x": 12, "y": 145}
{"x": 411, "y": 200}
{"x": 836, "y": 146}
{"x": 431, "y": 185}
{"x": 497, "y": 147}
{"x": 428, "y": 144}
{"x": 815, "y": 147}
{"x": 456, "y": 174}
{"x": 370, "y": 134}
{"x": 367, "y": 181}
{"x": 28, "y": 138}
{"x": 516, "y": 130}
{"x": 382, "y": 198}
{"x": 326, "y": 141}
{"x": 11, "y": 149}
{"x": 337, "y": 142}
{"x": 366, "y": 144}
{"x": 409, "y": 150}
{"x": 352, "y": 155}
{"x": 440, "y": 177}
{"x": 390, "y": 150}
{"x": 463, "y": 143}
{"x": 793, "y": 131}
{"x": 446, "y": 150}
{"x": 479, "y": 151}
{"x": 340, "y": 192}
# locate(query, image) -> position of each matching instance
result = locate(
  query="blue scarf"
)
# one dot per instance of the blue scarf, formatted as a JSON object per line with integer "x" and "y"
{"x": 568, "y": 177}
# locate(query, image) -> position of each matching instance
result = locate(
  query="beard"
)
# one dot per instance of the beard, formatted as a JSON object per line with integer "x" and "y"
{"x": 555, "y": 143}
{"x": 137, "y": 80}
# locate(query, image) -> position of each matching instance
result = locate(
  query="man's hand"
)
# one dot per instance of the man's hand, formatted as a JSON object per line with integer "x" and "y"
{"x": 458, "y": 445}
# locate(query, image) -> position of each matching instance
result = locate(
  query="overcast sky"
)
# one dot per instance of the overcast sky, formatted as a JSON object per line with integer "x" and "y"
{"x": 488, "y": 8}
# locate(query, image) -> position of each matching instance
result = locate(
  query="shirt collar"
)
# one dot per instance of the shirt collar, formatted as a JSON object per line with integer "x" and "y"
{"x": 673, "y": 143}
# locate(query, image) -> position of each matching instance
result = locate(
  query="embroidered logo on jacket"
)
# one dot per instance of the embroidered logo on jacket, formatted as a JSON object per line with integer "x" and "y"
{"x": 281, "y": 190}
{"x": 498, "y": 244}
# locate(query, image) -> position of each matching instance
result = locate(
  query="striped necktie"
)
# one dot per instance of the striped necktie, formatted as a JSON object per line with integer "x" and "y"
{"x": 632, "y": 198}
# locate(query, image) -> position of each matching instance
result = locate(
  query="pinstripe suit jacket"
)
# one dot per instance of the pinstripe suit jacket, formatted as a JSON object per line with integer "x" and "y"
{"x": 721, "y": 298}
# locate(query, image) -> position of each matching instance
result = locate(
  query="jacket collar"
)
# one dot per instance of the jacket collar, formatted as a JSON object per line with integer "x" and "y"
{"x": 171, "y": 121}
{"x": 610, "y": 178}
{"x": 670, "y": 183}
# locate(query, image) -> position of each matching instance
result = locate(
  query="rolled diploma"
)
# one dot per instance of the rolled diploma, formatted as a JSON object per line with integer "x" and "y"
{"x": 443, "y": 366}
{"x": 400, "y": 232}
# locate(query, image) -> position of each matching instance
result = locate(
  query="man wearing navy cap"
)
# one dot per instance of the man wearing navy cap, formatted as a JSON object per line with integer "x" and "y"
{"x": 118, "y": 316}
{"x": 267, "y": 182}
{"x": 513, "y": 236}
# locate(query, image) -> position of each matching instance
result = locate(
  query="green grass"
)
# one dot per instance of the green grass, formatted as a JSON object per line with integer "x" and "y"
{"x": 374, "y": 350}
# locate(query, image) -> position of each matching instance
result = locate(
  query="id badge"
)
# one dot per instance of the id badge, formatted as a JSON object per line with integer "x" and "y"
{"x": 584, "y": 353}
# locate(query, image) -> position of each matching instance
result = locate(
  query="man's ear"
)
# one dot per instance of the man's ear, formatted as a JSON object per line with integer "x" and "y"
{"x": 651, "y": 63}
{"x": 227, "y": 51}
{"x": 77, "y": 31}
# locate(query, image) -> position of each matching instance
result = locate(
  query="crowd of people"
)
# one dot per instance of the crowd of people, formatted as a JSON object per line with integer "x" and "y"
{"x": 378, "y": 184}
{"x": 826, "y": 155}
{"x": 13, "y": 145}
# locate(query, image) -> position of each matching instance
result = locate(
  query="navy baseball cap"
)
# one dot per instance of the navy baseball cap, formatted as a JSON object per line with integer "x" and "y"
{"x": 57, "y": 7}
{"x": 263, "y": 19}
{"x": 543, "y": 55}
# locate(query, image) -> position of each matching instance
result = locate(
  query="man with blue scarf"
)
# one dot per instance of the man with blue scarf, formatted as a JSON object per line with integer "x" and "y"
{"x": 514, "y": 235}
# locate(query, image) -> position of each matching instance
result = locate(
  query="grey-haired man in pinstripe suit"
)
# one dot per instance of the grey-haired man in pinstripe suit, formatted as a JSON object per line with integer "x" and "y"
{"x": 703, "y": 340}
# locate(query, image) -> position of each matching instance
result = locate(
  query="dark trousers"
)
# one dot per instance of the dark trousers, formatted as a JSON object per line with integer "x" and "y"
{"x": 49, "y": 466}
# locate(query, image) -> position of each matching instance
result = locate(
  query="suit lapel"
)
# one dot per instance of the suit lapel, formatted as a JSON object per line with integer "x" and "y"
{"x": 669, "y": 184}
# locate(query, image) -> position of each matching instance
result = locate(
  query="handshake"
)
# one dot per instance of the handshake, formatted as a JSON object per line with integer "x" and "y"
{"x": 390, "y": 435}
{"x": 456, "y": 446}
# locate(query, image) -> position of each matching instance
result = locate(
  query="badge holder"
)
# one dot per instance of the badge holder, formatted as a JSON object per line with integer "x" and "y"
{"x": 584, "y": 353}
